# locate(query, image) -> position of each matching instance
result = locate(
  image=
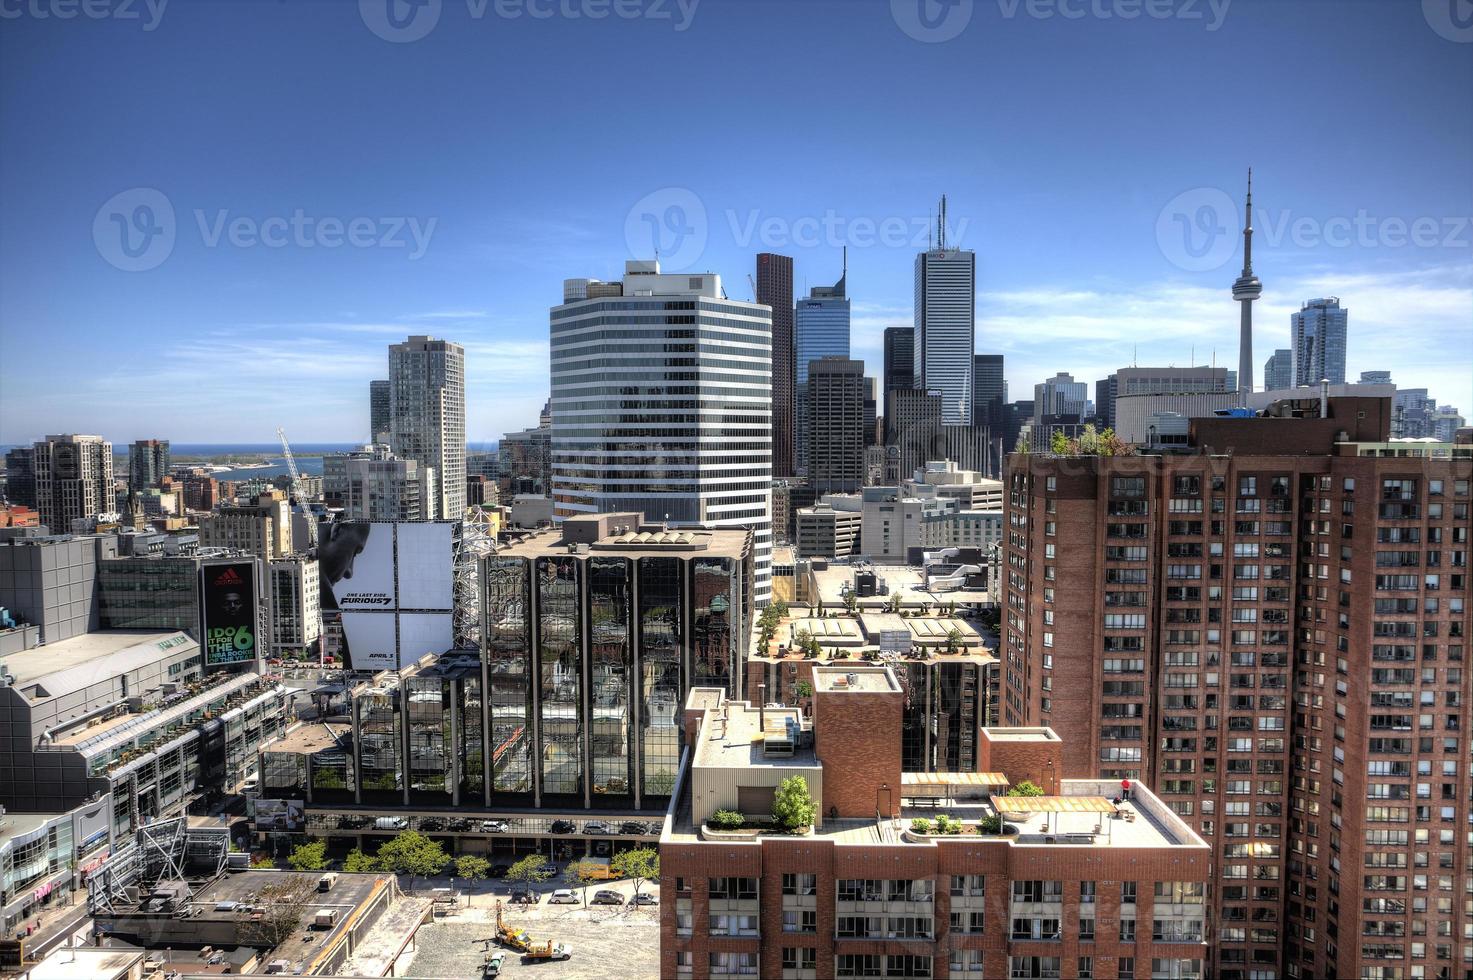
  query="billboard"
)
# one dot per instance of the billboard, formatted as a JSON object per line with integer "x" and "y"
{"x": 229, "y": 602}
{"x": 286, "y": 816}
{"x": 370, "y": 640}
{"x": 426, "y": 566}
{"x": 393, "y": 586}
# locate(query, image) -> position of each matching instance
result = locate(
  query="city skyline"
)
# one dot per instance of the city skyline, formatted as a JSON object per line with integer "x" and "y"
{"x": 1076, "y": 267}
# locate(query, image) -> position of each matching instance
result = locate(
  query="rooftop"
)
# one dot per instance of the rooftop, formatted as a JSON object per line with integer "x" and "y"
{"x": 866, "y": 680}
{"x": 734, "y": 737}
{"x": 312, "y": 737}
{"x": 633, "y": 543}
{"x": 86, "y": 963}
{"x": 70, "y": 665}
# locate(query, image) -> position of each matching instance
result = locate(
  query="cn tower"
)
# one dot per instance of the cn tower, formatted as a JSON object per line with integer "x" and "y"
{"x": 1246, "y": 289}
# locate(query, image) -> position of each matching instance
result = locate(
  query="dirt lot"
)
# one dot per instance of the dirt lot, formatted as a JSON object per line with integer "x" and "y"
{"x": 606, "y": 942}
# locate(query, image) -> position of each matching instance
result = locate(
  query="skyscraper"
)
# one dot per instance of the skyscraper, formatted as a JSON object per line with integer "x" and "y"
{"x": 821, "y": 326}
{"x": 775, "y": 289}
{"x": 427, "y": 413}
{"x": 899, "y": 358}
{"x": 1319, "y": 342}
{"x": 945, "y": 324}
{"x": 74, "y": 479}
{"x": 836, "y": 399}
{"x": 685, "y": 439}
{"x": 379, "y": 414}
{"x": 20, "y": 476}
{"x": 148, "y": 463}
{"x": 1278, "y": 371}
{"x": 1105, "y": 390}
{"x": 1246, "y": 290}
{"x": 989, "y": 390}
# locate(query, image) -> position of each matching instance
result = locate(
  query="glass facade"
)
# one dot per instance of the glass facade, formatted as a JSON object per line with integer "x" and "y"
{"x": 153, "y": 594}
{"x": 472, "y": 745}
{"x": 506, "y": 645}
{"x": 429, "y": 718}
{"x": 378, "y": 724}
{"x": 559, "y": 676}
{"x": 611, "y": 666}
{"x": 712, "y": 650}
{"x": 659, "y": 673}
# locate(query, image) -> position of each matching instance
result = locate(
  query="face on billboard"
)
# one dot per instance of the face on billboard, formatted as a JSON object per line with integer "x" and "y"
{"x": 230, "y": 613}
{"x": 356, "y": 566}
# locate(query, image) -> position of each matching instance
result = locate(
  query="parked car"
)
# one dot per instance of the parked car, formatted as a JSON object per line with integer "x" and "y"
{"x": 494, "y": 826}
{"x": 564, "y": 827}
{"x": 460, "y": 825}
{"x": 597, "y": 827}
{"x": 635, "y": 827}
{"x": 605, "y": 896}
{"x": 563, "y": 896}
{"x": 431, "y": 824}
{"x": 522, "y": 896}
{"x": 645, "y": 898}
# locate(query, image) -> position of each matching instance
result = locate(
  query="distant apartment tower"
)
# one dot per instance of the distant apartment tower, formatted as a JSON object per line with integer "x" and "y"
{"x": 775, "y": 289}
{"x": 20, "y": 476}
{"x": 1278, "y": 371}
{"x": 945, "y": 325}
{"x": 427, "y": 413}
{"x": 683, "y": 439}
{"x": 1277, "y": 640}
{"x": 1060, "y": 395}
{"x": 380, "y": 412}
{"x": 370, "y": 484}
{"x": 148, "y": 463}
{"x": 899, "y": 358}
{"x": 296, "y": 617}
{"x": 74, "y": 479}
{"x": 836, "y": 410}
{"x": 1319, "y": 330}
{"x": 821, "y": 328}
{"x": 262, "y": 528}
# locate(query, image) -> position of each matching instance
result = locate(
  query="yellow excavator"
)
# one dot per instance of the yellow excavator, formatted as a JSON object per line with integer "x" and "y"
{"x": 514, "y": 939}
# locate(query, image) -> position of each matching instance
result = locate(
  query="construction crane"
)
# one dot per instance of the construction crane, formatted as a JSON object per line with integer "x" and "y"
{"x": 753, "y": 283}
{"x": 297, "y": 490}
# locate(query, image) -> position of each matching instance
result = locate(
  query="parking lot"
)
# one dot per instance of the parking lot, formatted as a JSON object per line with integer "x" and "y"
{"x": 453, "y": 947}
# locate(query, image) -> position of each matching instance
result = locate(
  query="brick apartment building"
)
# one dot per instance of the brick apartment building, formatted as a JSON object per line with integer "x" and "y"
{"x": 1271, "y": 628}
{"x": 1084, "y": 887}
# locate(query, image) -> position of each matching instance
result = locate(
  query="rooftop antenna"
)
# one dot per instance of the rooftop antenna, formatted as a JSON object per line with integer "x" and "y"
{"x": 941, "y": 226}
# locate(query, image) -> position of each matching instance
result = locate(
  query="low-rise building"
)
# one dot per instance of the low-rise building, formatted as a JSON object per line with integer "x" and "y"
{"x": 132, "y": 714}
{"x": 829, "y": 529}
{"x": 1091, "y": 878}
{"x": 296, "y": 616}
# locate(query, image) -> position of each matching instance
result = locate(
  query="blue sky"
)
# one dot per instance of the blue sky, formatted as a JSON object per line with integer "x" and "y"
{"x": 478, "y": 166}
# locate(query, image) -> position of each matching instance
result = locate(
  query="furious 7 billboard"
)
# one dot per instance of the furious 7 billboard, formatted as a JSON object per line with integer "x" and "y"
{"x": 230, "y": 612}
{"x": 393, "y": 587}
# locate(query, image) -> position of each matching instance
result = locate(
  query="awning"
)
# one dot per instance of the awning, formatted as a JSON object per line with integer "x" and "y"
{"x": 1052, "y": 804}
{"x": 952, "y": 779}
